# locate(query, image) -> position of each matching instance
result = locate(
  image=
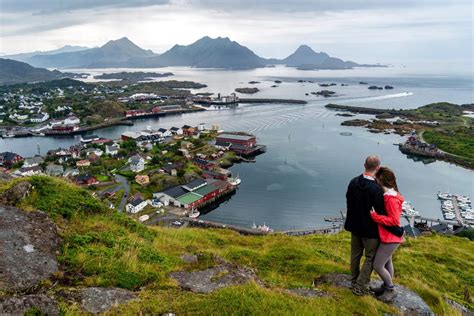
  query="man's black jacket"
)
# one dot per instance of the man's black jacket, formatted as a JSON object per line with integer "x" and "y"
{"x": 363, "y": 194}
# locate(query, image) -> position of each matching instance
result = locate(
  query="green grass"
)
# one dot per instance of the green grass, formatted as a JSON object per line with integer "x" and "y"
{"x": 104, "y": 248}
{"x": 459, "y": 141}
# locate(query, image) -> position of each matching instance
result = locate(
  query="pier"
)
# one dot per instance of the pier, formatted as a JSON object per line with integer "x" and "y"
{"x": 457, "y": 211}
{"x": 311, "y": 231}
{"x": 254, "y": 100}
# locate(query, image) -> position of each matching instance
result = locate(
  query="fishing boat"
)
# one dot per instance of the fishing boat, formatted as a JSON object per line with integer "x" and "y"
{"x": 194, "y": 213}
{"x": 235, "y": 181}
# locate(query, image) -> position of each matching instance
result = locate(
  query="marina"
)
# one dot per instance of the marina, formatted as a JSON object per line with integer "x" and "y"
{"x": 456, "y": 208}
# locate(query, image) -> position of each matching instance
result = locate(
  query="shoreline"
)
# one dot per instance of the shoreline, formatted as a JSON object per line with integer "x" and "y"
{"x": 419, "y": 124}
{"x": 127, "y": 121}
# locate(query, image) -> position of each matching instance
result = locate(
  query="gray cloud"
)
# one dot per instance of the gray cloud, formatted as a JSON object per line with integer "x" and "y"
{"x": 51, "y": 7}
{"x": 316, "y": 5}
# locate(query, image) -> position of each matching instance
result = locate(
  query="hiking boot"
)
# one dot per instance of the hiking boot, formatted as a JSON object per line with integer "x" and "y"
{"x": 377, "y": 291}
{"x": 360, "y": 290}
{"x": 388, "y": 295}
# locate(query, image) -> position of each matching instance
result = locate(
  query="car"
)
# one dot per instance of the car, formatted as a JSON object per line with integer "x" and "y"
{"x": 176, "y": 223}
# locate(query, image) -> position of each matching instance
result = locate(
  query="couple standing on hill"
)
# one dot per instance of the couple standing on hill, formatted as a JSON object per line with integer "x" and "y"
{"x": 374, "y": 208}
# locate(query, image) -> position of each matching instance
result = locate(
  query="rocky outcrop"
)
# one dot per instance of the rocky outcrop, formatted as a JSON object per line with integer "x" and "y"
{"x": 15, "y": 194}
{"x": 97, "y": 300}
{"x": 212, "y": 279}
{"x": 247, "y": 90}
{"x": 28, "y": 246}
{"x": 39, "y": 303}
{"x": 407, "y": 301}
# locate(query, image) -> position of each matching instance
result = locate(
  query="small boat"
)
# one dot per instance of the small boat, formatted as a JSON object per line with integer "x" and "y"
{"x": 8, "y": 135}
{"x": 194, "y": 213}
{"x": 408, "y": 210}
{"x": 444, "y": 196}
{"x": 263, "y": 228}
{"x": 235, "y": 181}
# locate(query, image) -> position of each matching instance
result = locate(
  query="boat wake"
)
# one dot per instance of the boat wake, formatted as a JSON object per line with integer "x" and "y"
{"x": 381, "y": 97}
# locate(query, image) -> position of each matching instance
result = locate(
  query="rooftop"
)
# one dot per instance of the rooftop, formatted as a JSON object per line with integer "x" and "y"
{"x": 188, "y": 198}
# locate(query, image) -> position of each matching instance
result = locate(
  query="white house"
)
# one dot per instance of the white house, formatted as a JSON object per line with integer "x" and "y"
{"x": 164, "y": 132}
{"x": 39, "y": 118}
{"x": 176, "y": 131}
{"x": 29, "y": 171}
{"x": 72, "y": 120}
{"x": 112, "y": 150}
{"x": 97, "y": 151}
{"x": 33, "y": 161}
{"x": 136, "y": 205}
{"x": 137, "y": 163}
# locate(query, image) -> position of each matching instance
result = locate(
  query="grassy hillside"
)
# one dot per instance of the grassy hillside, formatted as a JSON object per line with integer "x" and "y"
{"x": 103, "y": 248}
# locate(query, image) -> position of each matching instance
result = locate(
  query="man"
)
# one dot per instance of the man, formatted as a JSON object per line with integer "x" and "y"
{"x": 363, "y": 194}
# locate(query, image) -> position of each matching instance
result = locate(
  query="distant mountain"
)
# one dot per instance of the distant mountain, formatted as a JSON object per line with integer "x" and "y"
{"x": 24, "y": 57}
{"x": 211, "y": 53}
{"x": 305, "y": 58}
{"x": 116, "y": 53}
{"x": 12, "y": 71}
{"x": 204, "y": 53}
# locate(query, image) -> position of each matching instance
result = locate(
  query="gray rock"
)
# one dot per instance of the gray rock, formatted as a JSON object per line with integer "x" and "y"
{"x": 28, "y": 246}
{"x": 189, "y": 258}
{"x": 307, "y": 292}
{"x": 407, "y": 301}
{"x": 209, "y": 280}
{"x": 98, "y": 300}
{"x": 21, "y": 304}
{"x": 15, "y": 194}
{"x": 463, "y": 310}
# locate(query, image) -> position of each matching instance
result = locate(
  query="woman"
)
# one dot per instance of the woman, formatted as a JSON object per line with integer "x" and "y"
{"x": 389, "y": 242}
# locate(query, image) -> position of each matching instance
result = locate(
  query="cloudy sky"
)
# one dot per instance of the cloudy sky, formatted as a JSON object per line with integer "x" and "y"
{"x": 397, "y": 31}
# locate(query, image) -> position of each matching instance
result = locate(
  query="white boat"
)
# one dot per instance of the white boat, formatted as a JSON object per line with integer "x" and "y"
{"x": 194, "y": 214}
{"x": 444, "y": 196}
{"x": 408, "y": 210}
{"x": 262, "y": 228}
{"x": 449, "y": 216}
{"x": 235, "y": 181}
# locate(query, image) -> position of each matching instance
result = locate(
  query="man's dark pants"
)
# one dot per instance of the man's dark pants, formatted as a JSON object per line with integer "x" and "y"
{"x": 359, "y": 245}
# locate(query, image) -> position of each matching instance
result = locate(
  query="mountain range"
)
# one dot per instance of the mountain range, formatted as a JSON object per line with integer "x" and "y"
{"x": 205, "y": 53}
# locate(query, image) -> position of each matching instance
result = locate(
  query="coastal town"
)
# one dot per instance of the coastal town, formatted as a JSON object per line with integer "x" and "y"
{"x": 68, "y": 107}
{"x": 150, "y": 173}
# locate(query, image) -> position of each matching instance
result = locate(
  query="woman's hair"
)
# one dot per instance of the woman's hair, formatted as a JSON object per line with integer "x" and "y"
{"x": 386, "y": 177}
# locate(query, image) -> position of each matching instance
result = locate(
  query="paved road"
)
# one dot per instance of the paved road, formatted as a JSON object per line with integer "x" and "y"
{"x": 123, "y": 186}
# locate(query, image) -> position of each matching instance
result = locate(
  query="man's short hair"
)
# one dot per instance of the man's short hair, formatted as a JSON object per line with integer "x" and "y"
{"x": 372, "y": 162}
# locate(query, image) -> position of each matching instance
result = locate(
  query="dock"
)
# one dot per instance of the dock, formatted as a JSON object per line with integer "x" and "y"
{"x": 255, "y": 100}
{"x": 312, "y": 231}
{"x": 457, "y": 211}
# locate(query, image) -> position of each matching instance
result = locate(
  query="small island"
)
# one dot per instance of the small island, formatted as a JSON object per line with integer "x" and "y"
{"x": 134, "y": 76}
{"x": 439, "y": 130}
{"x": 247, "y": 90}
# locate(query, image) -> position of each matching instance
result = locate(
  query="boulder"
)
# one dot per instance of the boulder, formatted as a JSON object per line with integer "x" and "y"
{"x": 15, "y": 194}
{"x": 23, "y": 304}
{"x": 29, "y": 243}
{"x": 97, "y": 300}
{"x": 189, "y": 258}
{"x": 407, "y": 301}
{"x": 212, "y": 279}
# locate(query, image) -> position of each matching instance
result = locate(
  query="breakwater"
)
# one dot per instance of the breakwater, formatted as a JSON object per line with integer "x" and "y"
{"x": 255, "y": 100}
